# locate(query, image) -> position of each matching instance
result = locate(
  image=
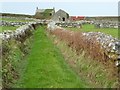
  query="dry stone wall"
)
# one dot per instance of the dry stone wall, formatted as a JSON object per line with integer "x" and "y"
{"x": 14, "y": 44}
{"x": 105, "y": 24}
{"x": 97, "y": 24}
{"x": 22, "y": 30}
{"x": 107, "y": 42}
{"x": 11, "y": 23}
{"x": 19, "y": 21}
{"x": 110, "y": 45}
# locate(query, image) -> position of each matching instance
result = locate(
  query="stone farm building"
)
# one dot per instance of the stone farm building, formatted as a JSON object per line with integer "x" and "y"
{"x": 60, "y": 16}
{"x": 44, "y": 13}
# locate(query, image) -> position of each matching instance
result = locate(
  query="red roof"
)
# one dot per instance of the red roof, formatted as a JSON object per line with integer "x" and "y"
{"x": 77, "y": 18}
{"x": 73, "y": 17}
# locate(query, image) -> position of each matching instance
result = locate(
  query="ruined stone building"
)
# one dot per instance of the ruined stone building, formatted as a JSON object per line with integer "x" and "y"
{"x": 60, "y": 16}
{"x": 44, "y": 13}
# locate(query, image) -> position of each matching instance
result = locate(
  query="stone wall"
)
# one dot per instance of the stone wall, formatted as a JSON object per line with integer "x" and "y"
{"x": 19, "y": 21}
{"x": 12, "y": 43}
{"x": 106, "y": 24}
{"x": 70, "y": 24}
{"x": 109, "y": 44}
{"x": 10, "y": 23}
{"x": 97, "y": 24}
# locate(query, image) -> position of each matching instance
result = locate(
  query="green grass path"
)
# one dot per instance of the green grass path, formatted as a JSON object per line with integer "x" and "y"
{"x": 46, "y": 66}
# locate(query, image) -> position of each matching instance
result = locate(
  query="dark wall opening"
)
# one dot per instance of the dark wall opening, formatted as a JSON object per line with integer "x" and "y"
{"x": 50, "y": 14}
{"x": 63, "y": 19}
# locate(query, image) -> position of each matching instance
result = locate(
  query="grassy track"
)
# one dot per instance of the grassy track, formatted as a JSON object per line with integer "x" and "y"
{"x": 91, "y": 28}
{"x": 46, "y": 67}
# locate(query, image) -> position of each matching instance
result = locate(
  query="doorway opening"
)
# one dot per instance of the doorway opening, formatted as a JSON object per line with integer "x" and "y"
{"x": 63, "y": 19}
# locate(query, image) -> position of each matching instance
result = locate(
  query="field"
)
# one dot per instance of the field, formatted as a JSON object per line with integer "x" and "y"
{"x": 3, "y": 28}
{"x": 15, "y": 20}
{"x": 51, "y": 62}
{"x": 91, "y": 28}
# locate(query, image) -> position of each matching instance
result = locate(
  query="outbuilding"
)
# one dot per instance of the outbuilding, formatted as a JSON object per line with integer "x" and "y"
{"x": 60, "y": 16}
{"x": 44, "y": 13}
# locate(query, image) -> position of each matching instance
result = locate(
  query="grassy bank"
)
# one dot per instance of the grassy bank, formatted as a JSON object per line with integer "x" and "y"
{"x": 91, "y": 28}
{"x": 46, "y": 67}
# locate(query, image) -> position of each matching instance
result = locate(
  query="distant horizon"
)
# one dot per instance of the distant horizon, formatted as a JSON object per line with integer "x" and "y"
{"x": 69, "y": 15}
{"x": 72, "y": 8}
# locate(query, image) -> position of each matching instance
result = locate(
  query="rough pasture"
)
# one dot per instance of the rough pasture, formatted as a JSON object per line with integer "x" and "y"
{"x": 45, "y": 64}
{"x": 15, "y": 19}
{"x": 6, "y": 28}
{"x": 91, "y": 28}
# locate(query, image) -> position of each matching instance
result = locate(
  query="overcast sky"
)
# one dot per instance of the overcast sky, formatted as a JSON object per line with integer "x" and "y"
{"x": 74, "y": 8}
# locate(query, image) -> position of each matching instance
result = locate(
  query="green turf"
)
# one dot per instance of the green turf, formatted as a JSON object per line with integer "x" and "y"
{"x": 46, "y": 66}
{"x": 15, "y": 20}
{"x": 91, "y": 28}
{"x": 3, "y": 28}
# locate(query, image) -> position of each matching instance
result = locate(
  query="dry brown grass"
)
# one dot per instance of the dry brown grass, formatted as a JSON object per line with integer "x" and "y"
{"x": 80, "y": 43}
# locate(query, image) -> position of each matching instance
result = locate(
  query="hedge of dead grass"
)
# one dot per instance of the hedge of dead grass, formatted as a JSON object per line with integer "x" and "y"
{"x": 80, "y": 43}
